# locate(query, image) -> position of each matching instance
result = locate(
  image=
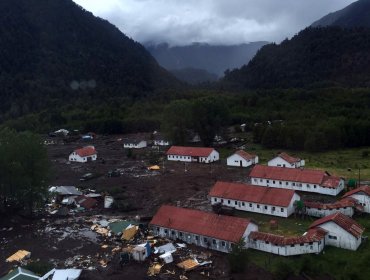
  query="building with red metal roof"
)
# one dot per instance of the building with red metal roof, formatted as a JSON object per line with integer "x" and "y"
{"x": 242, "y": 159}
{"x": 85, "y": 154}
{"x": 346, "y": 206}
{"x": 201, "y": 228}
{"x": 285, "y": 160}
{"x": 312, "y": 241}
{"x": 343, "y": 232}
{"x": 192, "y": 154}
{"x": 308, "y": 180}
{"x": 362, "y": 195}
{"x": 251, "y": 198}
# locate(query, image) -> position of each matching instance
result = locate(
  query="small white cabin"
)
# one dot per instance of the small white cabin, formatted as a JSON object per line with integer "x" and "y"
{"x": 84, "y": 154}
{"x": 285, "y": 160}
{"x": 362, "y": 195}
{"x": 343, "y": 232}
{"x": 134, "y": 144}
{"x": 242, "y": 159}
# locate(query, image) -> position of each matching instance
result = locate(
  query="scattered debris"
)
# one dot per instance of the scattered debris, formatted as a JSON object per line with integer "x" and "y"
{"x": 19, "y": 256}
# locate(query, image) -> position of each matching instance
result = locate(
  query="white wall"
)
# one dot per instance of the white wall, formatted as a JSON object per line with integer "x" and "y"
{"x": 74, "y": 157}
{"x": 287, "y": 250}
{"x": 306, "y": 187}
{"x": 235, "y": 160}
{"x": 140, "y": 145}
{"x": 364, "y": 199}
{"x": 339, "y": 237}
{"x": 190, "y": 238}
{"x": 214, "y": 156}
{"x": 280, "y": 162}
{"x": 315, "y": 212}
{"x": 255, "y": 207}
{"x": 179, "y": 158}
{"x": 161, "y": 143}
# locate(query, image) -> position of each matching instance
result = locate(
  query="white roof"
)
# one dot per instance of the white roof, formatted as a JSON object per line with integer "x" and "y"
{"x": 67, "y": 274}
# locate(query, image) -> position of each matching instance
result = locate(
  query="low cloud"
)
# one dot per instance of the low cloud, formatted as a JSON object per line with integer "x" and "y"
{"x": 180, "y": 22}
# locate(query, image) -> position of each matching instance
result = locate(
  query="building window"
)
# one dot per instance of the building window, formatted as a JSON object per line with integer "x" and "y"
{"x": 273, "y": 182}
{"x": 333, "y": 237}
{"x": 311, "y": 243}
{"x": 280, "y": 182}
{"x": 282, "y": 209}
{"x": 273, "y": 208}
{"x": 196, "y": 237}
{"x": 222, "y": 201}
{"x": 215, "y": 199}
{"x": 165, "y": 231}
{"x": 308, "y": 185}
{"x": 292, "y": 245}
{"x": 267, "y": 181}
{"x": 236, "y": 203}
{"x": 286, "y": 183}
{"x": 243, "y": 204}
{"x": 314, "y": 186}
{"x": 265, "y": 207}
{"x": 293, "y": 184}
{"x": 301, "y": 244}
{"x": 157, "y": 229}
{"x": 267, "y": 242}
{"x": 214, "y": 242}
{"x": 258, "y": 206}
{"x": 205, "y": 240}
{"x": 180, "y": 234}
{"x": 255, "y": 180}
{"x": 223, "y": 243}
{"x": 261, "y": 180}
{"x": 228, "y": 202}
{"x": 173, "y": 232}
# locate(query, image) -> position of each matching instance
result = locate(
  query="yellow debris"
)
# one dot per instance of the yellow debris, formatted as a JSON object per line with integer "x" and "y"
{"x": 129, "y": 233}
{"x": 18, "y": 256}
{"x": 188, "y": 264}
{"x": 154, "y": 269}
{"x": 154, "y": 167}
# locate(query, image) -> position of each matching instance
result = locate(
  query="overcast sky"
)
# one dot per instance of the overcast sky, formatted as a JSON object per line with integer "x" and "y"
{"x": 181, "y": 22}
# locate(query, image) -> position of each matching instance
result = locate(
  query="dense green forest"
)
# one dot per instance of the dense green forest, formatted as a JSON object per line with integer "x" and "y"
{"x": 314, "y": 58}
{"x": 311, "y": 119}
{"x": 55, "y": 52}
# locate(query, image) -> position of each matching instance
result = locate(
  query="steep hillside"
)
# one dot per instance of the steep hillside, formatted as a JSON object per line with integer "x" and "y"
{"x": 213, "y": 59}
{"x": 356, "y": 14}
{"x": 318, "y": 57}
{"x": 194, "y": 76}
{"x": 54, "y": 52}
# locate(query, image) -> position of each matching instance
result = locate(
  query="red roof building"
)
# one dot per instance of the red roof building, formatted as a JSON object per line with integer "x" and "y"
{"x": 192, "y": 154}
{"x": 298, "y": 179}
{"x": 245, "y": 155}
{"x": 200, "y": 223}
{"x": 289, "y": 158}
{"x": 346, "y": 223}
{"x": 86, "y": 151}
{"x": 362, "y": 195}
{"x": 285, "y": 160}
{"x": 311, "y": 242}
{"x": 242, "y": 159}
{"x": 252, "y": 193}
{"x": 346, "y": 206}
{"x": 362, "y": 189}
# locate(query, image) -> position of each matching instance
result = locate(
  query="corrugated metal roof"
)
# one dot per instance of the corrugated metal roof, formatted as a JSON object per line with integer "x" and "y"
{"x": 289, "y": 158}
{"x": 310, "y": 176}
{"x": 251, "y": 193}
{"x": 313, "y": 235}
{"x": 343, "y": 221}
{"x": 363, "y": 189}
{"x": 346, "y": 202}
{"x": 190, "y": 151}
{"x": 86, "y": 151}
{"x": 245, "y": 155}
{"x": 202, "y": 223}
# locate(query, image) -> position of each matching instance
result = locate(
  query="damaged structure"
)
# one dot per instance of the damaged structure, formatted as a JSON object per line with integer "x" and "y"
{"x": 362, "y": 195}
{"x": 257, "y": 199}
{"x": 307, "y": 180}
{"x": 201, "y": 228}
{"x": 346, "y": 206}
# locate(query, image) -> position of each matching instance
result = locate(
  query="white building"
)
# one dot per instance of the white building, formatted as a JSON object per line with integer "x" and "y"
{"x": 84, "y": 154}
{"x": 134, "y": 144}
{"x": 159, "y": 140}
{"x": 362, "y": 195}
{"x": 269, "y": 201}
{"x": 343, "y": 232}
{"x": 192, "y": 154}
{"x": 285, "y": 160}
{"x": 307, "y": 180}
{"x": 345, "y": 206}
{"x": 312, "y": 241}
{"x": 205, "y": 229}
{"x": 242, "y": 159}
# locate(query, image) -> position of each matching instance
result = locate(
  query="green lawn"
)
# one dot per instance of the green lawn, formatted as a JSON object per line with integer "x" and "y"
{"x": 345, "y": 162}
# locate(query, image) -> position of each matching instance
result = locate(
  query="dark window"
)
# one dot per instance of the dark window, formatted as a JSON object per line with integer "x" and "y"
{"x": 236, "y": 203}
{"x": 267, "y": 181}
{"x": 292, "y": 245}
{"x": 265, "y": 207}
{"x": 301, "y": 244}
{"x": 222, "y": 200}
{"x": 258, "y": 206}
{"x": 280, "y": 182}
{"x": 243, "y": 204}
{"x": 205, "y": 239}
{"x": 165, "y": 231}
{"x": 273, "y": 208}
{"x": 250, "y": 204}
{"x": 173, "y": 232}
{"x": 311, "y": 243}
{"x": 282, "y": 209}
{"x": 273, "y": 182}
{"x": 223, "y": 243}
{"x": 196, "y": 237}
{"x": 214, "y": 241}
{"x": 228, "y": 202}
{"x": 293, "y": 184}
{"x": 314, "y": 186}
{"x": 180, "y": 233}
{"x": 267, "y": 242}
{"x": 332, "y": 237}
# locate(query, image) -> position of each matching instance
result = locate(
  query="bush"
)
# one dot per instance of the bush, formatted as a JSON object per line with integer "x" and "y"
{"x": 283, "y": 271}
{"x": 238, "y": 258}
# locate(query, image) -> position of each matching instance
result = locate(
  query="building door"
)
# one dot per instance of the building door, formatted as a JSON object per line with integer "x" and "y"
{"x": 241, "y": 163}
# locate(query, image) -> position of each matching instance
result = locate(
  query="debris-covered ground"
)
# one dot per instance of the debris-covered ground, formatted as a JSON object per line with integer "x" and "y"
{"x": 84, "y": 239}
